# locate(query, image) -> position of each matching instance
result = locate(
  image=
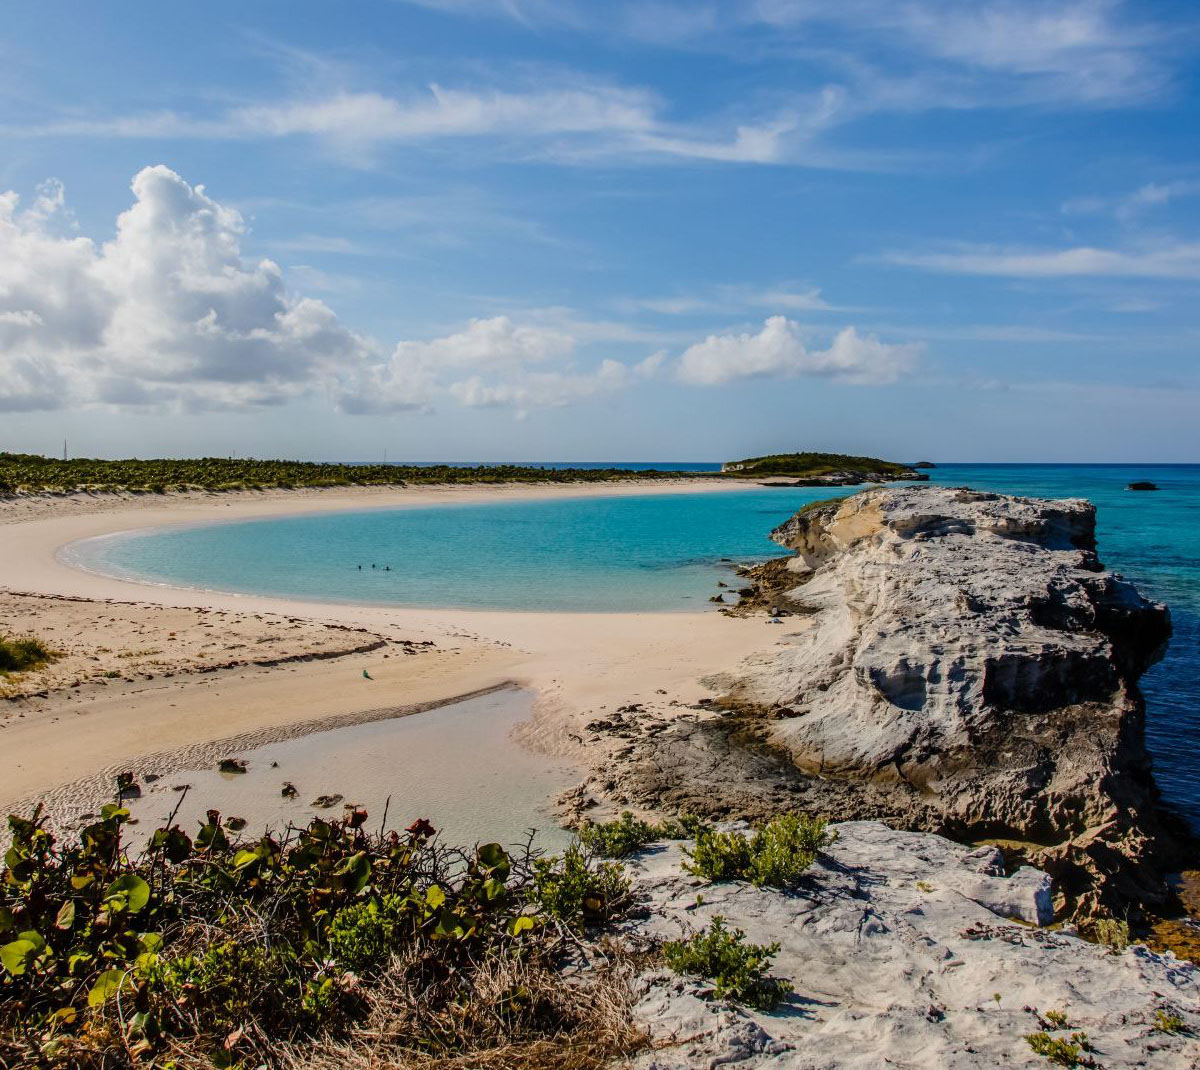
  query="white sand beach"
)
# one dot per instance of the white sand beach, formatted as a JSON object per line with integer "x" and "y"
{"x": 148, "y": 675}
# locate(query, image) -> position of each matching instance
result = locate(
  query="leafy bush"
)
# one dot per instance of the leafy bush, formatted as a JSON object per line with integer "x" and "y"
{"x": 1059, "y": 1051}
{"x": 622, "y": 837}
{"x": 24, "y": 653}
{"x": 578, "y": 891}
{"x": 738, "y": 970}
{"x": 1168, "y": 1022}
{"x": 775, "y": 855}
{"x": 1113, "y": 933}
{"x": 229, "y": 952}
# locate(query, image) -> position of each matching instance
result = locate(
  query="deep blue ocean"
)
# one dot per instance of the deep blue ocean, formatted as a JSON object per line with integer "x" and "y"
{"x": 664, "y": 552}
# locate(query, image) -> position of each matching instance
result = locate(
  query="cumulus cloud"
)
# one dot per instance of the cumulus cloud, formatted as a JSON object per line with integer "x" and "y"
{"x": 167, "y": 312}
{"x": 779, "y": 350}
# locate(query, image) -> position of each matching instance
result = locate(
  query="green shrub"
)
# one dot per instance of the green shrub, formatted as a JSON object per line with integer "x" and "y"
{"x": 1168, "y": 1022}
{"x": 738, "y": 970}
{"x": 621, "y": 838}
{"x": 1113, "y": 933}
{"x": 775, "y": 855}
{"x": 229, "y": 951}
{"x": 23, "y": 653}
{"x": 1058, "y": 1019}
{"x": 574, "y": 889}
{"x": 363, "y": 935}
{"x": 720, "y": 856}
{"x": 1059, "y": 1051}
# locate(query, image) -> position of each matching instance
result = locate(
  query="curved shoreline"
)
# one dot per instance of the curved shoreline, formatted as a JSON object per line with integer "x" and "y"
{"x": 576, "y": 662}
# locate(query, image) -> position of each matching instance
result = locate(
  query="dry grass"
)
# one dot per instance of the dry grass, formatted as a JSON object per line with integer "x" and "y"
{"x": 519, "y": 1013}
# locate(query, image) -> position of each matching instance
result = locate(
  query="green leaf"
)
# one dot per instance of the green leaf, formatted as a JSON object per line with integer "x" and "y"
{"x": 33, "y": 937}
{"x": 494, "y": 857}
{"x": 435, "y": 897}
{"x": 107, "y": 985}
{"x": 521, "y": 924}
{"x": 66, "y": 915}
{"x": 355, "y": 872}
{"x": 245, "y": 857}
{"x": 151, "y": 941}
{"x": 17, "y": 955}
{"x": 127, "y": 892}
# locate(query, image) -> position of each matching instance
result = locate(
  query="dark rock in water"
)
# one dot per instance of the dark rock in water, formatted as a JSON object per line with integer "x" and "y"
{"x": 324, "y": 802}
{"x": 1142, "y": 484}
{"x": 288, "y": 791}
{"x": 232, "y": 765}
{"x": 235, "y": 824}
{"x": 924, "y": 464}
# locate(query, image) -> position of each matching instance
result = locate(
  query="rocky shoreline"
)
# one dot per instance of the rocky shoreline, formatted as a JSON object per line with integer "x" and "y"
{"x": 947, "y": 661}
{"x": 901, "y": 951}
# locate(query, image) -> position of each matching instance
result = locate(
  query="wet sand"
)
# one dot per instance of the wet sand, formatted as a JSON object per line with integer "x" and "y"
{"x": 575, "y": 663}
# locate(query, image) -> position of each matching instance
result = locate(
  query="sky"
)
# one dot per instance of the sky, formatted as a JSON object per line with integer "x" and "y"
{"x": 601, "y": 229}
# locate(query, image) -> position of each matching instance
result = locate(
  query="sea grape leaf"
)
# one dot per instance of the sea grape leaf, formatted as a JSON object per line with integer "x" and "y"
{"x": 127, "y": 892}
{"x": 107, "y": 985}
{"x": 16, "y": 956}
{"x": 66, "y": 915}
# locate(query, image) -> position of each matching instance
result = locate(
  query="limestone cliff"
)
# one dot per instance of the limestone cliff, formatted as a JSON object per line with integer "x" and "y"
{"x": 966, "y": 660}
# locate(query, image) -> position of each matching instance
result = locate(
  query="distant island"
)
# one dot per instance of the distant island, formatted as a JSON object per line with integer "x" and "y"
{"x": 28, "y": 473}
{"x": 821, "y": 469}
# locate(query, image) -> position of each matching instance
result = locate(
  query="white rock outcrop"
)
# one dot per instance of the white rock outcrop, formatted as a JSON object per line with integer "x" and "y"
{"x": 964, "y": 656}
{"x": 901, "y": 954}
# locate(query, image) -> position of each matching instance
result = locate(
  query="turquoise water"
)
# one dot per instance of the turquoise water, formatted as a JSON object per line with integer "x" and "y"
{"x": 663, "y": 552}
{"x": 654, "y": 552}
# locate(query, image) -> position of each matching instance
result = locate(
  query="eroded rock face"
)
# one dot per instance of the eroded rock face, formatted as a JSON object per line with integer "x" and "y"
{"x": 902, "y": 953}
{"x": 965, "y": 656}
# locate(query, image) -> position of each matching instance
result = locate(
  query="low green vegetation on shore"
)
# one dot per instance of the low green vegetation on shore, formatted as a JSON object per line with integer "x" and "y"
{"x": 29, "y": 473}
{"x": 815, "y": 466}
{"x": 326, "y": 943}
{"x": 737, "y": 969}
{"x": 23, "y": 653}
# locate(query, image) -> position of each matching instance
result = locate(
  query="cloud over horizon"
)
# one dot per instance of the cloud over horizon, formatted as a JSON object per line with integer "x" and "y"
{"x": 170, "y": 314}
{"x": 780, "y": 350}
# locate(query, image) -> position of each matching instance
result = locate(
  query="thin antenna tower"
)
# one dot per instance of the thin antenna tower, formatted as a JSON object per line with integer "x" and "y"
{"x": 64, "y": 449}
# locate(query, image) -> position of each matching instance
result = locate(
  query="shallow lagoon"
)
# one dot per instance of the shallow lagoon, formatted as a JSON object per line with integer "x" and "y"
{"x": 456, "y": 765}
{"x": 663, "y": 553}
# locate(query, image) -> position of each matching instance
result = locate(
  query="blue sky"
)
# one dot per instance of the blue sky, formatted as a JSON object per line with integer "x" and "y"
{"x": 485, "y": 229}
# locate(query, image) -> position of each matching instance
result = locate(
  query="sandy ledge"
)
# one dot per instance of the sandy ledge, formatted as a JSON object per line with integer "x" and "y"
{"x": 72, "y": 732}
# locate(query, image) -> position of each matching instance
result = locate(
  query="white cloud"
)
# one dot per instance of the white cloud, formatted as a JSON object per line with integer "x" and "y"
{"x": 490, "y": 363}
{"x": 495, "y": 342}
{"x": 779, "y": 350}
{"x": 1082, "y": 52}
{"x": 572, "y": 120}
{"x": 787, "y": 297}
{"x": 165, "y": 312}
{"x": 1131, "y": 205}
{"x": 1179, "y": 260}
